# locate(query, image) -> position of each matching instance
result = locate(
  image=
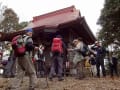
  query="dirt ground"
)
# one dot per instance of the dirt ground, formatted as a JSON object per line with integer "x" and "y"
{"x": 70, "y": 83}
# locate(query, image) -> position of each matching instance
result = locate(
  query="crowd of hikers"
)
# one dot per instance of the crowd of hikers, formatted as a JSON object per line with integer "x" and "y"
{"x": 21, "y": 57}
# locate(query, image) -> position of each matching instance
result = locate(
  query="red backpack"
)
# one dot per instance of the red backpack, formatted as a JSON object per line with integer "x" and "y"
{"x": 57, "y": 45}
{"x": 18, "y": 45}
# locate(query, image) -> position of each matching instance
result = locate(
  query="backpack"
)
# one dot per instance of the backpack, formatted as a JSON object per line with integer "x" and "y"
{"x": 28, "y": 44}
{"x": 84, "y": 50}
{"x": 18, "y": 45}
{"x": 57, "y": 45}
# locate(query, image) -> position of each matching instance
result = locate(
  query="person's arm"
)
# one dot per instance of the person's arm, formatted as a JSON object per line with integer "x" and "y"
{"x": 79, "y": 47}
{"x": 74, "y": 49}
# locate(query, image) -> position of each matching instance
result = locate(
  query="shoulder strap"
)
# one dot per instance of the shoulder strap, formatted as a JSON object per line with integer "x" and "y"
{"x": 25, "y": 38}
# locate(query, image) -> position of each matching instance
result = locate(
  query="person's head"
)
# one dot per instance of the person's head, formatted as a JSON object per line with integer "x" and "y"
{"x": 41, "y": 47}
{"x": 75, "y": 41}
{"x": 9, "y": 46}
{"x": 97, "y": 43}
{"x": 29, "y": 32}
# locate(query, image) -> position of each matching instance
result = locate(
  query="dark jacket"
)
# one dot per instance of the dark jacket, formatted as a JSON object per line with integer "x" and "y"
{"x": 100, "y": 51}
{"x": 114, "y": 61}
{"x": 92, "y": 61}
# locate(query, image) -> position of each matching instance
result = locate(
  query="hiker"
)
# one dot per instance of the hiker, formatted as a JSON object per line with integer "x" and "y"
{"x": 92, "y": 61}
{"x": 78, "y": 59}
{"x": 5, "y": 55}
{"x": 9, "y": 69}
{"x": 113, "y": 62}
{"x": 23, "y": 51}
{"x": 57, "y": 57}
{"x": 100, "y": 55}
{"x": 40, "y": 61}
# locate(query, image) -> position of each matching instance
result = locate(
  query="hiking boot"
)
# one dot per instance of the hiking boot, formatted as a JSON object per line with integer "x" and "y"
{"x": 60, "y": 79}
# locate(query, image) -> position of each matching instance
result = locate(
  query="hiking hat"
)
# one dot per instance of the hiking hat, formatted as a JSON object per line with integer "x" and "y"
{"x": 29, "y": 30}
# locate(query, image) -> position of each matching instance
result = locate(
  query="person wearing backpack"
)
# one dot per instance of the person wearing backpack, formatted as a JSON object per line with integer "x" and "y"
{"x": 9, "y": 69}
{"x": 78, "y": 59}
{"x": 57, "y": 50}
{"x": 100, "y": 55}
{"x": 113, "y": 65}
{"x": 23, "y": 51}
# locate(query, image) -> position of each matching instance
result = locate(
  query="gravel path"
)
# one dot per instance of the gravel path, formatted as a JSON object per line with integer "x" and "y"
{"x": 70, "y": 84}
